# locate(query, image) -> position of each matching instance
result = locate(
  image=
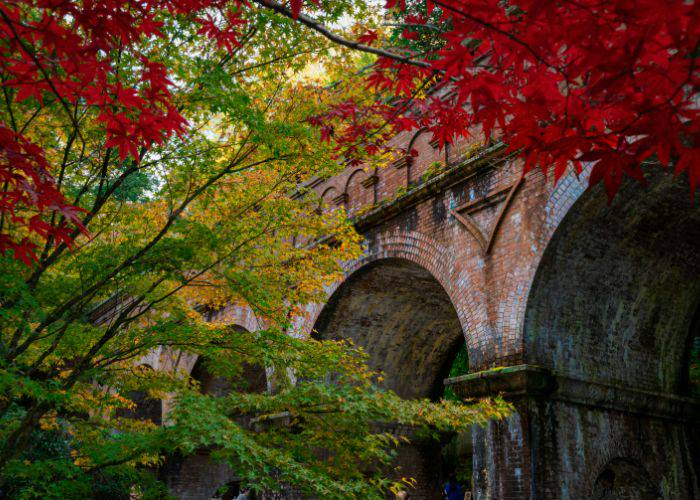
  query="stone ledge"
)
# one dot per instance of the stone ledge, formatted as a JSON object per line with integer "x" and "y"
{"x": 530, "y": 381}
{"x": 625, "y": 399}
{"x": 369, "y": 181}
{"x": 401, "y": 162}
{"x": 511, "y": 381}
{"x": 340, "y": 199}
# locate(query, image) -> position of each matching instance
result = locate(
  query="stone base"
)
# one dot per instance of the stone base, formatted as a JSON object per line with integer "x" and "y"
{"x": 572, "y": 438}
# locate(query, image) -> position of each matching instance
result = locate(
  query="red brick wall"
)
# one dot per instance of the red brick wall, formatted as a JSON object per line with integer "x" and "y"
{"x": 598, "y": 311}
{"x": 492, "y": 240}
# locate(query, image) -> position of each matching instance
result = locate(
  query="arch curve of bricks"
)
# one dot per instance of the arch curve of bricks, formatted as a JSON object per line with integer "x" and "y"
{"x": 418, "y": 249}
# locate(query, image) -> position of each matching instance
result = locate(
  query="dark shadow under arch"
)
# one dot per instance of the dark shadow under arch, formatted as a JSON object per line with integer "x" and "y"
{"x": 623, "y": 479}
{"x": 252, "y": 379}
{"x": 145, "y": 407}
{"x": 612, "y": 305}
{"x": 399, "y": 313}
{"x": 405, "y": 321}
{"x": 197, "y": 475}
{"x": 616, "y": 291}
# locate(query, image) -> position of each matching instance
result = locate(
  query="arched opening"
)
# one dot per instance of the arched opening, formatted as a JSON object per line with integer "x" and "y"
{"x": 619, "y": 286}
{"x": 623, "y": 479}
{"x": 252, "y": 379}
{"x": 405, "y": 321}
{"x": 144, "y": 406}
{"x": 197, "y": 476}
{"x": 613, "y": 303}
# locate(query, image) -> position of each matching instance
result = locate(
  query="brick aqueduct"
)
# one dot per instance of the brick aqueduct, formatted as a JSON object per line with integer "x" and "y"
{"x": 581, "y": 313}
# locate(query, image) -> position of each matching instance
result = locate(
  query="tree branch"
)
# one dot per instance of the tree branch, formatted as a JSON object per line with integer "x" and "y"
{"x": 320, "y": 28}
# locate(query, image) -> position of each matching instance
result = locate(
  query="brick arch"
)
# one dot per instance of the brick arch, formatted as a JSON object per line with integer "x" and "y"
{"x": 414, "y": 137}
{"x": 357, "y": 194}
{"x": 197, "y": 475}
{"x": 617, "y": 285}
{"x": 605, "y": 300}
{"x": 426, "y": 154}
{"x": 154, "y": 359}
{"x": 402, "y": 318}
{"x": 146, "y": 408}
{"x": 327, "y": 197}
{"x": 238, "y": 317}
{"x": 560, "y": 198}
{"x": 252, "y": 378}
{"x": 623, "y": 477}
{"x": 546, "y": 217}
{"x": 588, "y": 440}
{"x": 391, "y": 305}
{"x": 438, "y": 261}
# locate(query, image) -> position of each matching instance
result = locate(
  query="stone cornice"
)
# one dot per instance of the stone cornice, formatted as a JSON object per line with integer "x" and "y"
{"x": 530, "y": 381}
{"x": 401, "y": 162}
{"x": 340, "y": 199}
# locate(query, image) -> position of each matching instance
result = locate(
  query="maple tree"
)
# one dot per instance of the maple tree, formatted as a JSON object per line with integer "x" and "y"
{"x": 562, "y": 83}
{"x": 153, "y": 162}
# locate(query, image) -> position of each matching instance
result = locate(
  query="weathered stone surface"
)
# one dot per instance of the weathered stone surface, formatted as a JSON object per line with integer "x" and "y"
{"x": 403, "y": 318}
{"x": 195, "y": 477}
{"x": 578, "y": 433}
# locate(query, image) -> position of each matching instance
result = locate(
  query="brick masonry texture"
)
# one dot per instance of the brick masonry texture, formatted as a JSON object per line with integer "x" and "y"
{"x": 459, "y": 244}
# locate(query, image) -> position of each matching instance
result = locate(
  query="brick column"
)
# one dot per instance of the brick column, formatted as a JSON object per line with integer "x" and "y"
{"x": 502, "y": 464}
{"x": 571, "y": 438}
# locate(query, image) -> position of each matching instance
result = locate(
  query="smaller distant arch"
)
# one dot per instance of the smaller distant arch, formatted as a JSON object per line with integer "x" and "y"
{"x": 354, "y": 174}
{"x": 327, "y": 197}
{"x": 146, "y": 408}
{"x": 624, "y": 479}
{"x": 358, "y": 191}
{"x": 427, "y": 154}
{"x": 198, "y": 475}
{"x": 252, "y": 379}
{"x": 415, "y": 136}
{"x": 328, "y": 193}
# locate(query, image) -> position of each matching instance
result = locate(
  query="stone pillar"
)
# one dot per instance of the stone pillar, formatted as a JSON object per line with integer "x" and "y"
{"x": 500, "y": 465}
{"x": 420, "y": 461}
{"x": 502, "y": 449}
{"x": 570, "y": 439}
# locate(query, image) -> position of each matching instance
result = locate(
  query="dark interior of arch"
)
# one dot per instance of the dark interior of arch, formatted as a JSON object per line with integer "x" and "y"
{"x": 399, "y": 313}
{"x": 623, "y": 479}
{"x": 252, "y": 379}
{"x": 198, "y": 475}
{"x": 616, "y": 293}
{"x": 145, "y": 408}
